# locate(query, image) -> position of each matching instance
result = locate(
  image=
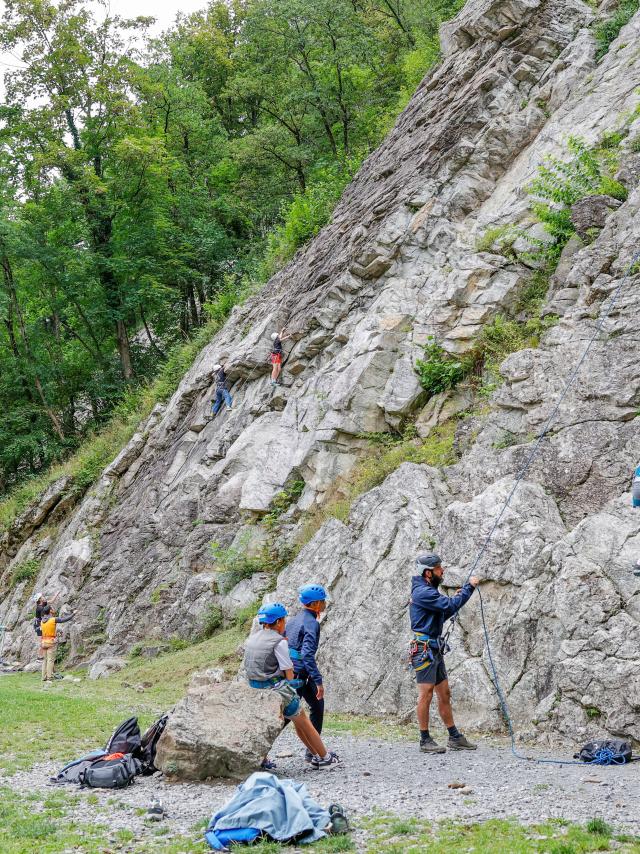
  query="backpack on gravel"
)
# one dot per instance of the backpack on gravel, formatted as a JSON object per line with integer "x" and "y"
{"x": 116, "y": 773}
{"x": 125, "y": 738}
{"x": 148, "y": 745}
{"x": 606, "y": 751}
{"x": 72, "y": 770}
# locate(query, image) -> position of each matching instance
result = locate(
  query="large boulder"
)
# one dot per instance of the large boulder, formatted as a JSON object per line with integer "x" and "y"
{"x": 218, "y": 730}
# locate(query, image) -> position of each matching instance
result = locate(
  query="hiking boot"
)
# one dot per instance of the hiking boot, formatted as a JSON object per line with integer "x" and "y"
{"x": 428, "y": 745}
{"x": 339, "y": 821}
{"x": 459, "y": 742}
{"x": 329, "y": 761}
{"x": 156, "y": 811}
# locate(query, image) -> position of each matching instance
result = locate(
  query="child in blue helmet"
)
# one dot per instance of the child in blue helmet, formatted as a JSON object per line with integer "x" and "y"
{"x": 268, "y": 665}
{"x": 303, "y": 636}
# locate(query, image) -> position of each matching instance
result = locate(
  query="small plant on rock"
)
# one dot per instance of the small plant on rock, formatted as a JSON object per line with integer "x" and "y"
{"x": 26, "y": 570}
{"x": 439, "y": 371}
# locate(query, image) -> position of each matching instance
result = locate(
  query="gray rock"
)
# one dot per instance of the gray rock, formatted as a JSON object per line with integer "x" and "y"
{"x": 218, "y": 730}
{"x": 105, "y": 667}
{"x": 591, "y": 213}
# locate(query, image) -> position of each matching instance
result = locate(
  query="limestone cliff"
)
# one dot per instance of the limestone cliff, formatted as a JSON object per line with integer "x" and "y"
{"x": 397, "y": 264}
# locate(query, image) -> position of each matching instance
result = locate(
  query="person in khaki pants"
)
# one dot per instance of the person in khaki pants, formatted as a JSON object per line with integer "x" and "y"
{"x": 49, "y": 643}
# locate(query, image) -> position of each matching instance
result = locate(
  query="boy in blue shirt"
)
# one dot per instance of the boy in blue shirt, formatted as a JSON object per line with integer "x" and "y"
{"x": 303, "y": 636}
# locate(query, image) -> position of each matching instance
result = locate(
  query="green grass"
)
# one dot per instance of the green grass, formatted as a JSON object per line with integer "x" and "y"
{"x": 67, "y": 718}
{"x": 391, "y": 835}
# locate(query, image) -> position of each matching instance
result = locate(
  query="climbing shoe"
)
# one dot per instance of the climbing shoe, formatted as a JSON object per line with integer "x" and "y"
{"x": 329, "y": 761}
{"x": 428, "y": 745}
{"x": 459, "y": 742}
{"x": 339, "y": 821}
{"x": 156, "y": 811}
{"x": 268, "y": 765}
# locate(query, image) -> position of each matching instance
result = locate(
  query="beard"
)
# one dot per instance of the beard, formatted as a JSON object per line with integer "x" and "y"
{"x": 436, "y": 581}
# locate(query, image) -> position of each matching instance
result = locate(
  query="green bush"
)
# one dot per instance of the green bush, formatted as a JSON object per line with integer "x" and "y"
{"x": 599, "y": 826}
{"x": 212, "y": 621}
{"x": 283, "y": 500}
{"x": 439, "y": 371}
{"x": 236, "y": 564}
{"x": 499, "y": 239}
{"x": 26, "y": 570}
{"x": 608, "y": 31}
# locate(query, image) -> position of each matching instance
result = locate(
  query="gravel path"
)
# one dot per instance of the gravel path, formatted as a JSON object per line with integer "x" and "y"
{"x": 394, "y": 777}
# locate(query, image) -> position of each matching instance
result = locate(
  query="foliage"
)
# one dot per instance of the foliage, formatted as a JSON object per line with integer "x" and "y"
{"x": 236, "y": 563}
{"x": 439, "y": 371}
{"x": 607, "y": 31}
{"x": 559, "y": 184}
{"x": 499, "y": 239}
{"x": 283, "y": 500}
{"x": 26, "y": 570}
{"x": 212, "y": 621}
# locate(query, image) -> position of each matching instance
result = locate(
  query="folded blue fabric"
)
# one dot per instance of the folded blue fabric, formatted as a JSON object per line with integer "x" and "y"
{"x": 264, "y": 804}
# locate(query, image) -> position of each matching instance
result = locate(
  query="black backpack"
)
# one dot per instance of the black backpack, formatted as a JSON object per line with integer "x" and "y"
{"x": 111, "y": 773}
{"x": 125, "y": 739}
{"x": 148, "y": 744}
{"x": 606, "y": 751}
{"x": 72, "y": 770}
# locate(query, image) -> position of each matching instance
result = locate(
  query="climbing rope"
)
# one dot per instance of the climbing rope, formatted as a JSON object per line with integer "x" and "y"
{"x": 603, "y": 758}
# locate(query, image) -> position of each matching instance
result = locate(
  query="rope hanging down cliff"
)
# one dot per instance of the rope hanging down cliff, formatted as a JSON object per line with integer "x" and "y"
{"x": 521, "y": 474}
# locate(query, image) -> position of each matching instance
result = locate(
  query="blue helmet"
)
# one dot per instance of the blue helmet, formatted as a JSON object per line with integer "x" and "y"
{"x": 271, "y": 613}
{"x": 312, "y": 593}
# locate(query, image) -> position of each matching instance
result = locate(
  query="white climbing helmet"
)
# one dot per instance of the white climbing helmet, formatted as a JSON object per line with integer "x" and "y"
{"x": 217, "y": 367}
{"x": 274, "y": 335}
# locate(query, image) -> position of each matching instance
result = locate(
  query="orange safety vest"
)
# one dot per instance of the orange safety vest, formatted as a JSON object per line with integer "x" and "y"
{"x": 48, "y": 628}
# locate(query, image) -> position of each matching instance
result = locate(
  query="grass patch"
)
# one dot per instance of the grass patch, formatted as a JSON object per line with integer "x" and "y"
{"x": 374, "y": 467}
{"x": 68, "y": 719}
{"x": 365, "y": 727}
{"x": 26, "y": 570}
{"x": 391, "y": 835}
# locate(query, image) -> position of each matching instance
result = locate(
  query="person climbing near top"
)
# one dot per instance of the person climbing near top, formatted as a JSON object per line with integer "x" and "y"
{"x": 303, "y": 637}
{"x": 276, "y": 354}
{"x": 428, "y": 611}
{"x": 268, "y": 665}
{"x": 49, "y": 642}
{"x": 222, "y": 393}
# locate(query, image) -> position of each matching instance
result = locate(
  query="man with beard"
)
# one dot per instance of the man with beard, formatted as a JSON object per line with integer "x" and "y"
{"x": 428, "y": 611}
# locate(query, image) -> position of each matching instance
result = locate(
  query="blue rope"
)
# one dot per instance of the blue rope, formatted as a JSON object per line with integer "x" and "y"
{"x": 603, "y": 756}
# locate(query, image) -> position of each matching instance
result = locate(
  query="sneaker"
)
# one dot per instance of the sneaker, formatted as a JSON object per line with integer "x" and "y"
{"x": 156, "y": 811}
{"x": 268, "y": 765}
{"x": 339, "y": 820}
{"x": 460, "y": 743}
{"x": 308, "y": 757}
{"x": 428, "y": 745}
{"x": 229, "y": 409}
{"x": 329, "y": 760}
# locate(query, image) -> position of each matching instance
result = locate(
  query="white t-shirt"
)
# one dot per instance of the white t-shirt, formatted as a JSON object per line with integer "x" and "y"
{"x": 282, "y": 654}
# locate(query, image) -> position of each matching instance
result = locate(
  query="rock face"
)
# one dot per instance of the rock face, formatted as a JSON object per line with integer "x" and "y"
{"x": 398, "y": 263}
{"x": 218, "y": 730}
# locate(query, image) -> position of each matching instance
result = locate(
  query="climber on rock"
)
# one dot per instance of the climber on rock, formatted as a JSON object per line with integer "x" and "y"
{"x": 428, "y": 611}
{"x": 268, "y": 665}
{"x": 49, "y": 640}
{"x": 303, "y": 636}
{"x": 276, "y": 354}
{"x": 222, "y": 393}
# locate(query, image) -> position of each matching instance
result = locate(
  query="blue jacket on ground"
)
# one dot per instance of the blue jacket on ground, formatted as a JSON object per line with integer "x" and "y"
{"x": 303, "y": 636}
{"x": 429, "y": 609}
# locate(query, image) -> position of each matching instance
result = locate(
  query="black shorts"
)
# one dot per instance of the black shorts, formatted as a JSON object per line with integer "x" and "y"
{"x": 432, "y": 674}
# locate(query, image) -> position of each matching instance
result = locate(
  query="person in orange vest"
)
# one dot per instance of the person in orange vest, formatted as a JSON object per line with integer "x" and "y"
{"x": 49, "y": 643}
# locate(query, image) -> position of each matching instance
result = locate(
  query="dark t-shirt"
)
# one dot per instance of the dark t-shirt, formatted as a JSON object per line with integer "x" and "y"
{"x": 277, "y": 346}
{"x": 221, "y": 380}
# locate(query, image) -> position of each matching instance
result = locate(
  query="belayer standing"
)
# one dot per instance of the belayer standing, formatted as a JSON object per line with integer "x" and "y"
{"x": 49, "y": 640}
{"x": 268, "y": 665}
{"x": 222, "y": 393}
{"x": 428, "y": 611}
{"x": 276, "y": 354}
{"x": 303, "y": 636}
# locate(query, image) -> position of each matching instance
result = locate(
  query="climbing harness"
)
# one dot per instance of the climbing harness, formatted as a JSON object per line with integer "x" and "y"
{"x": 603, "y": 758}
